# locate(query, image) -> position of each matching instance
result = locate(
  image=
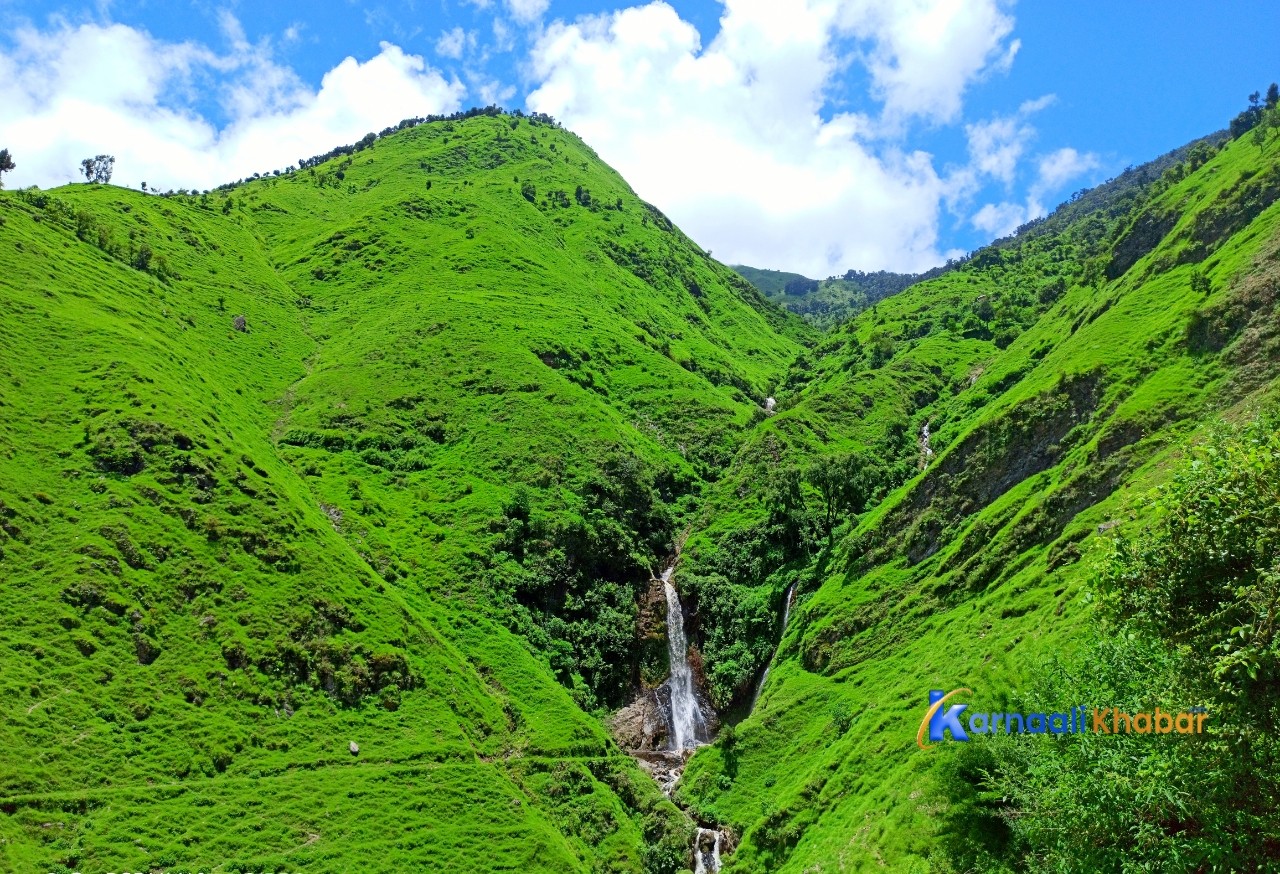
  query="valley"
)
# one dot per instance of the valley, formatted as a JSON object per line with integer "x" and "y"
{"x": 442, "y": 503}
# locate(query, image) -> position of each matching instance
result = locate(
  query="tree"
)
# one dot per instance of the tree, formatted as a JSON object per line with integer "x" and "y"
{"x": 1273, "y": 96}
{"x": 98, "y": 168}
{"x": 1188, "y": 617}
{"x": 6, "y": 164}
{"x": 843, "y": 483}
{"x": 784, "y": 499}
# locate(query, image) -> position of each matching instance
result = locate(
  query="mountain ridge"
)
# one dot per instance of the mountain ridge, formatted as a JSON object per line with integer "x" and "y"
{"x": 339, "y": 492}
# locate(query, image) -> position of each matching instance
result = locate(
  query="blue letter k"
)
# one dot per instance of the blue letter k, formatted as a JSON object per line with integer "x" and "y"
{"x": 943, "y": 720}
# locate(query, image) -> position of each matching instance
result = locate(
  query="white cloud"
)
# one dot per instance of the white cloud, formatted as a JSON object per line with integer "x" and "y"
{"x": 997, "y": 146}
{"x": 1060, "y": 167}
{"x": 503, "y": 39}
{"x": 731, "y": 141}
{"x": 451, "y": 43}
{"x": 999, "y": 220}
{"x": 1054, "y": 170}
{"x": 1030, "y": 107}
{"x": 77, "y": 91}
{"x": 923, "y": 54}
{"x": 527, "y": 11}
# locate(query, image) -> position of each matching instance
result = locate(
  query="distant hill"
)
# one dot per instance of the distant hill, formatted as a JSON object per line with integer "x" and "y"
{"x": 827, "y": 302}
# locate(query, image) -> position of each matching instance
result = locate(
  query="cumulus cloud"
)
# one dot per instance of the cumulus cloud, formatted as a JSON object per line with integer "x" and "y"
{"x": 527, "y": 11}
{"x": 732, "y": 141}
{"x": 1053, "y": 171}
{"x": 753, "y": 142}
{"x": 451, "y": 43}
{"x": 77, "y": 91}
{"x": 996, "y": 146}
{"x": 924, "y": 54}
{"x": 1060, "y": 167}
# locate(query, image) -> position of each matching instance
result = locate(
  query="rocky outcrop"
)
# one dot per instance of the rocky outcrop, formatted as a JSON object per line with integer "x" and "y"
{"x": 642, "y": 724}
{"x": 652, "y": 663}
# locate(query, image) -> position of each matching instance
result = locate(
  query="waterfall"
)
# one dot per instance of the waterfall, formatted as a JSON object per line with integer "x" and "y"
{"x": 706, "y": 851}
{"x": 686, "y": 716}
{"x": 786, "y": 617}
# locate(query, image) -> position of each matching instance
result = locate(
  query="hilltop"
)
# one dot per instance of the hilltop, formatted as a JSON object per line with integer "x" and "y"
{"x": 377, "y": 451}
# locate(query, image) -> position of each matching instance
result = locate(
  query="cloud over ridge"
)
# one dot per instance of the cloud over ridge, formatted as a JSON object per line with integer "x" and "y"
{"x": 77, "y": 91}
{"x": 788, "y": 140}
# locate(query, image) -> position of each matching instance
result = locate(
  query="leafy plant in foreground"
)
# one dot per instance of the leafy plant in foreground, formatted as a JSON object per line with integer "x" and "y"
{"x": 1189, "y": 611}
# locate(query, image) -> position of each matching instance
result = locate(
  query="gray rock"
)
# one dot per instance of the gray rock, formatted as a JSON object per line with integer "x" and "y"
{"x": 641, "y": 725}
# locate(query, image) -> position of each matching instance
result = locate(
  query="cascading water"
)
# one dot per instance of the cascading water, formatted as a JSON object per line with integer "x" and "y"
{"x": 706, "y": 851}
{"x": 686, "y": 716}
{"x": 786, "y": 617}
{"x": 926, "y": 451}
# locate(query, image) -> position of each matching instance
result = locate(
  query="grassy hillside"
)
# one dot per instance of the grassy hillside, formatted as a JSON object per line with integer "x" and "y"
{"x": 328, "y": 502}
{"x": 378, "y": 452}
{"x": 1058, "y": 375}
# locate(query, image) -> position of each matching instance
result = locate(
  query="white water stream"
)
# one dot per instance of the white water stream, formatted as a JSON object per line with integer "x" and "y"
{"x": 706, "y": 851}
{"x": 686, "y": 716}
{"x": 786, "y": 617}
{"x": 687, "y": 723}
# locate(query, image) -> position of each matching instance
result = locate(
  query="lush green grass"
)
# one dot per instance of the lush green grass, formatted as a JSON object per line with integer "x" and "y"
{"x": 481, "y": 392}
{"x": 1051, "y": 394}
{"x": 230, "y": 553}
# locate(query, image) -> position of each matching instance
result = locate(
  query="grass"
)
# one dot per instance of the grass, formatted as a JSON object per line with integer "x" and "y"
{"x": 384, "y": 451}
{"x": 230, "y": 553}
{"x": 1048, "y": 409}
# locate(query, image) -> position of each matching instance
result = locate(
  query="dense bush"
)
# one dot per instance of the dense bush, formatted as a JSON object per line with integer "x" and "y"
{"x": 1188, "y": 618}
{"x": 573, "y": 574}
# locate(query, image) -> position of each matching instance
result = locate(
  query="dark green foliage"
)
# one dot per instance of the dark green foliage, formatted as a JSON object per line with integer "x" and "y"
{"x": 1189, "y": 618}
{"x": 828, "y": 302}
{"x": 98, "y": 169}
{"x": 577, "y": 573}
{"x": 6, "y": 164}
{"x": 800, "y": 287}
{"x": 845, "y": 482}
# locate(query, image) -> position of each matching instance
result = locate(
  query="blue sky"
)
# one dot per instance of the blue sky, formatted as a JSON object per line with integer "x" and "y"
{"x": 813, "y": 135}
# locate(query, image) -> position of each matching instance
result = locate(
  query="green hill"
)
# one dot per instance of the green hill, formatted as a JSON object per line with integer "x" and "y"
{"x": 330, "y": 503}
{"x": 1059, "y": 375}
{"x": 375, "y": 452}
{"x": 825, "y": 303}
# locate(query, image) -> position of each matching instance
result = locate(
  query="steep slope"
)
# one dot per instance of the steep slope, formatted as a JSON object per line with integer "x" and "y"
{"x": 286, "y": 471}
{"x": 991, "y": 422}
